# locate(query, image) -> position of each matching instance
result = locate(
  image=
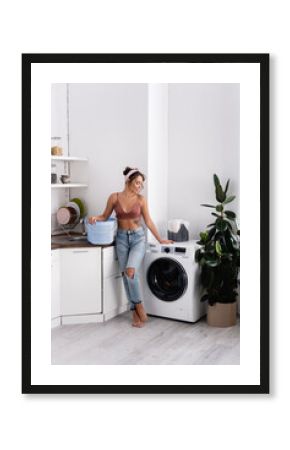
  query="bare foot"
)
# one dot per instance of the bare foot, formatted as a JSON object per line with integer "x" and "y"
{"x": 141, "y": 312}
{"x": 136, "y": 321}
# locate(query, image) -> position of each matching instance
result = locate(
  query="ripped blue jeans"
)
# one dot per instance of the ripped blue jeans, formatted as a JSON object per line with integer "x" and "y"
{"x": 130, "y": 249}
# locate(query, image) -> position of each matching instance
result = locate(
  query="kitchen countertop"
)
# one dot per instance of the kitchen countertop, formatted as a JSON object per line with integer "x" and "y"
{"x": 62, "y": 241}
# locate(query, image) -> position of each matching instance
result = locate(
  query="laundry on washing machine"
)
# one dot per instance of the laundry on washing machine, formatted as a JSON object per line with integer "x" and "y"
{"x": 178, "y": 230}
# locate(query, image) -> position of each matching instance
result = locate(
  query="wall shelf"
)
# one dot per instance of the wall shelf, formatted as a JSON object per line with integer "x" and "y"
{"x": 68, "y": 185}
{"x": 68, "y": 158}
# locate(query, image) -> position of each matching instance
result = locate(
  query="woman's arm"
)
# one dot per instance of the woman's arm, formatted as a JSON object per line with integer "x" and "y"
{"x": 108, "y": 211}
{"x": 149, "y": 223}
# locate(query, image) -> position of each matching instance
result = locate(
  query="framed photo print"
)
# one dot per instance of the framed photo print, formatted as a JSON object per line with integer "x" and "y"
{"x": 145, "y": 223}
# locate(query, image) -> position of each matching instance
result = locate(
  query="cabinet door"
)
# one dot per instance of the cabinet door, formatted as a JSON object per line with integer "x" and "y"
{"x": 110, "y": 262}
{"x": 81, "y": 284}
{"x": 55, "y": 284}
{"x": 114, "y": 293}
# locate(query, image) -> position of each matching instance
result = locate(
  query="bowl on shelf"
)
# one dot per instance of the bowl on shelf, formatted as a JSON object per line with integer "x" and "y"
{"x": 65, "y": 179}
{"x": 81, "y": 205}
{"x": 66, "y": 215}
{"x": 74, "y": 205}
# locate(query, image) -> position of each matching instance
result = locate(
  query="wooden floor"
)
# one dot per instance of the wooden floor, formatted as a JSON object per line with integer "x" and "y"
{"x": 160, "y": 341}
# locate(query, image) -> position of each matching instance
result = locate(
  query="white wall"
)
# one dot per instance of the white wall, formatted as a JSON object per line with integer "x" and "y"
{"x": 158, "y": 157}
{"x": 107, "y": 124}
{"x": 177, "y": 134}
{"x": 204, "y": 138}
{"x": 59, "y": 122}
{"x": 59, "y": 128}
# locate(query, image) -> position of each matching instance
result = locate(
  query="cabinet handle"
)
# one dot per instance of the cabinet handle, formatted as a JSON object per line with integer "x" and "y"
{"x": 80, "y": 251}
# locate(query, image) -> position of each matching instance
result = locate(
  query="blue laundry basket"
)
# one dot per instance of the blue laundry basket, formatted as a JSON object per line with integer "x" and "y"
{"x": 101, "y": 233}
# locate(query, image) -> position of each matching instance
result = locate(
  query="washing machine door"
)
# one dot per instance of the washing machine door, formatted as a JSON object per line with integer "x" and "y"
{"x": 167, "y": 279}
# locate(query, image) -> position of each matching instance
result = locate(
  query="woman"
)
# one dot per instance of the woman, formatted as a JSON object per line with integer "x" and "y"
{"x": 129, "y": 206}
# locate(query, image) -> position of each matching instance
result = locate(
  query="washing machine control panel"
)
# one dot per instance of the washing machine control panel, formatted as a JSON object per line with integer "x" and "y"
{"x": 178, "y": 250}
{"x": 181, "y": 251}
{"x": 166, "y": 249}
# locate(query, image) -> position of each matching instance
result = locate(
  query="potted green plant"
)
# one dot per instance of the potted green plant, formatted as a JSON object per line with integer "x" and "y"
{"x": 219, "y": 259}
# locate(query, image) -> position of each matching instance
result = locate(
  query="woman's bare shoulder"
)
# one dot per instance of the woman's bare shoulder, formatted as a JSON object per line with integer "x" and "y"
{"x": 142, "y": 199}
{"x": 113, "y": 197}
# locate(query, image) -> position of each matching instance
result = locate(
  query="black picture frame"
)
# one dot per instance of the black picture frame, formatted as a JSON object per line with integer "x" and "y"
{"x": 259, "y": 58}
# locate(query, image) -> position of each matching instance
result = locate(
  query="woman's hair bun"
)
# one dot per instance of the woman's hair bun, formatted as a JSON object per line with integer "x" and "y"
{"x": 134, "y": 175}
{"x": 127, "y": 170}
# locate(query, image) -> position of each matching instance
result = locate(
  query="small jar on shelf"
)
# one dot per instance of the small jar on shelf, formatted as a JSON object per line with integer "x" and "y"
{"x": 56, "y": 146}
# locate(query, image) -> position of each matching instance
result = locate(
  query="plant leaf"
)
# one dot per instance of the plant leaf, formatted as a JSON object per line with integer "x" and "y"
{"x": 216, "y": 180}
{"x": 208, "y": 206}
{"x": 227, "y": 186}
{"x": 197, "y": 255}
{"x": 229, "y": 224}
{"x": 211, "y": 260}
{"x": 209, "y": 246}
{"x": 230, "y": 214}
{"x": 218, "y": 248}
{"x": 221, "y": 224}
{"x": 235, "y": 243}
{"x": 229, "y": 199}
{"x": 211, "y": 232}
{"x": 219, "y": 208}
{"x": 220, "y": 195}
{"x": 212, "y": 263}
{"x": 204, "y": 236}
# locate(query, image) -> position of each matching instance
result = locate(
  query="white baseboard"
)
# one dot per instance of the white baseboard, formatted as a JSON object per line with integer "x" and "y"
{"x": 86, "y": 318}
{"x": 89, "y": 318}
{"x": 56, "y": 322}
{"x": 115, "y": 312}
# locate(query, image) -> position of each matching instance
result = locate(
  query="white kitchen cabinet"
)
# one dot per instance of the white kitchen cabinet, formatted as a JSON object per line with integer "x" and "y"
{"x": 81, "y": 281}
{"x": 55, "y": 287}
{"x": 87, "y": 285}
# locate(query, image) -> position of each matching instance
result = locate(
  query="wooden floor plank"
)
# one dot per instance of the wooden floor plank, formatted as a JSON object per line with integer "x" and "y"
{"x": 160, "y": 341}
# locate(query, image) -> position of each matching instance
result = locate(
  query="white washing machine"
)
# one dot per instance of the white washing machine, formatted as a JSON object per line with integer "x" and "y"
{"x": 171, "y": 281}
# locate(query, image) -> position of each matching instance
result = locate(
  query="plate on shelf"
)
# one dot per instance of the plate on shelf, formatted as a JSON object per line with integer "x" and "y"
{"x": 81, "y": 204}
{"x": 75, "y": 206}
